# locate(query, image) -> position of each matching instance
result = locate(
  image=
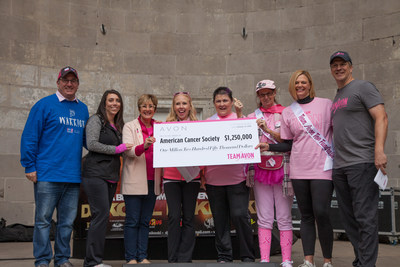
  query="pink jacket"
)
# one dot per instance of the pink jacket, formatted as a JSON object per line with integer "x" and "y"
{"x": 134, "y": 176}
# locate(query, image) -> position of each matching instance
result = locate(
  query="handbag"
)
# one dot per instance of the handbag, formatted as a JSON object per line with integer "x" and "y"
{"x": 270, "y": 161}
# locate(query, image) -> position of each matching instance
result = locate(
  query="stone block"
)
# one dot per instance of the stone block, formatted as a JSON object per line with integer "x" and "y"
{"x": 259, "y": 5}
{"x": 113, "y": 19}
{"x": 5, "y": 50}
{"x": 307, "y": 16}
{"x": 263, "y": 21}
{"x": 337, "y": 34}
{"x": 4, "y": 94}
{"x": 223, "y": 6}
{"x": 142, "y": 5}
{"x": 276, "y": 40}
{"x": 18, "y": 212}
{"x": 372, "y": 8}
{"x": 282, "y": 4}
{"x": 96, "y": 60}
{"x": 143, "y": 22}
{"x": 73, "y": 36}
{"x": 236, "y": 22}
{"x": 84, "y": 15}
{"x": 128, "y": 41}
{"x": 53, "y": 56}
{"x": 161, "y": 85}
{"x": 202, "y": 23}
{"x": 217, "y": 44}
{"x": 121, "y": 4}
{"x": 149, "y": 64}
{"x": 5, "y": 7}
{"x": 130, "y": 84}
{"x": 48, "y": 77}
{"x": 2, "y": 183}
{"x": 344, "y": 10}
{"x": 393, "y": 167}
{"x": 392, "y": 145}
{"x": 175, "y": 6}
{"x": 10, "y": 141}
{"x": 13, "y": 119}
{"x": 373, "y": 73}
{"x": 18, "y": 74}
{"x": 253, "y": 63}
{"x": 26, "y": 97}
{"x": 166, "y": 43}
{"x": 94, "y": 82}
{"x": 200, "y": 65}
{"x": 10, "y": 165}
{"x": 201, "y": 87}
{"x": 18, "y": 189}
{"x": 26, "y": 9}
{"x": 236, "y": 44}
{"x": 381, "y": 26}
{"x": 14, "y": 28}
{"x": 92, "y": 100}
{"x": 84, "y": 3}
{"x": 24, "y": 52}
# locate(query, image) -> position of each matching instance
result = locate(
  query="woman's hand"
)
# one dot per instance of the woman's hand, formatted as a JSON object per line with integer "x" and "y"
{"x": 262, "y": 146}
{"x": 238, "y": 107}
{"x": 149, "y": 141}
{"x": 128, "y": 146}
{"x": 262, "y": 125}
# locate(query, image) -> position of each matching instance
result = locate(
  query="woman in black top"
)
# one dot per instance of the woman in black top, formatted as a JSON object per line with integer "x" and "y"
{"x": 101, "y": 170}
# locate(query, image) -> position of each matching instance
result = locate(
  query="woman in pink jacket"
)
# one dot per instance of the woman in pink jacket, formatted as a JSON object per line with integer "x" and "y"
{"x": 181, "y": 194}
{"x": 140, "y": 182}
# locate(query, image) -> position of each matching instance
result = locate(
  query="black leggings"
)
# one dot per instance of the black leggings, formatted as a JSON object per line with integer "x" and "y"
{"x": 314, "y": 200}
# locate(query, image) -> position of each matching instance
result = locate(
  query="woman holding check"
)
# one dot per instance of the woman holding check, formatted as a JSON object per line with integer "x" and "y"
{"x": 181, "y": 195}
{"x": 308, "y": 123}
{"x": 140, "y": 183}
{"x": 227, "y": 191}
{"x": 269, "y": 176}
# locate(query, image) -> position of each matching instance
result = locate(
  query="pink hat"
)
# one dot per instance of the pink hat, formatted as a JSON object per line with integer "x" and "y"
{"x": 269, "y": 84}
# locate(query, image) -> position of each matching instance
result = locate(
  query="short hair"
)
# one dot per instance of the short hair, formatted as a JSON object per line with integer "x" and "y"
{"x": 192, "y": 111}
{"x": 292, "y": 83}
{"x": 101, "y": 110}
{"x": 222, "y": 91}
{"x": 145, "y": 98}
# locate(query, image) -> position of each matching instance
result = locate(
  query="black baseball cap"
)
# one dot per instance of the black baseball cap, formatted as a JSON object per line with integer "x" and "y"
{"x": 341, "y": 54}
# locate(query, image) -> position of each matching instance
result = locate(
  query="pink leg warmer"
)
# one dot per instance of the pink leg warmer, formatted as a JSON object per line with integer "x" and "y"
{"x": 264, "y": 240}
{"x": 286, "y": 244}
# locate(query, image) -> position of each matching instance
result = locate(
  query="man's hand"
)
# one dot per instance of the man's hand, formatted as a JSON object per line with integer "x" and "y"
{"x": 380, "y": 161}
{"x": 32, "y": 176}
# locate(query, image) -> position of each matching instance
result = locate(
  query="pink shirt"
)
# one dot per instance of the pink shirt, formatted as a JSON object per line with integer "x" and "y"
{"x": 225, "y": 174}
{"x": 307, "y": 159}
{"x": 148, "y": 154}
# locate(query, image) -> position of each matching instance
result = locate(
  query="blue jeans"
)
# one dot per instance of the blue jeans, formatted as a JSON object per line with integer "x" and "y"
{"x": 48, "y": 197}
{"x": 138, "y": 209}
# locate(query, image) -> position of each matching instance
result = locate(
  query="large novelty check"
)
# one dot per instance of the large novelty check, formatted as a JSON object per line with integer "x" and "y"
{"x": 202, "y": 143}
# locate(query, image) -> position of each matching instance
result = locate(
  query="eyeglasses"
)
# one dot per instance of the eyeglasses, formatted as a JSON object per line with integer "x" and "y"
{"x": 73, "y": 81}
{"x": 266, "y": 94}
{"x": 148, "y": 106}
{"x": 183, "y": 93}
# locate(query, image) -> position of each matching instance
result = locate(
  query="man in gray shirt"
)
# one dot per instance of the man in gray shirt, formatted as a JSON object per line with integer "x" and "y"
{"x": 359, "y": 131}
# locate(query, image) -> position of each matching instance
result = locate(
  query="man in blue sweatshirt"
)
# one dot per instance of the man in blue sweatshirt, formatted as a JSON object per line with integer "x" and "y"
{"x": 51, "y": 151}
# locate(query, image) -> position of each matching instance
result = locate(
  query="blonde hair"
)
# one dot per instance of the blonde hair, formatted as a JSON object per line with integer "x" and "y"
{"x": 145, "y": 98}
{"x": 292, "y": 83}
{"x": 172, "y": 116}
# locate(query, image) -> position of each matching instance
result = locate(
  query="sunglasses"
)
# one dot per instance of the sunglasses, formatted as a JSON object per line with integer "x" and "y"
{"x": 183, "y": 93}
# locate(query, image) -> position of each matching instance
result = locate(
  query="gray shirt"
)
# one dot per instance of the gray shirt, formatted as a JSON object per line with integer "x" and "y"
{"x": 93, "y": 128}
{"x": 353, "y": 126}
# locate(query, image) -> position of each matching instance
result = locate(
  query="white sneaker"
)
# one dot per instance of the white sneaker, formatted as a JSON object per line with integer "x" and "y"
{"x": 102, "y": 265}
{"x": 287, "y": 264}
{"x": 307, "y": 264}
{"x": 327, "y": 264}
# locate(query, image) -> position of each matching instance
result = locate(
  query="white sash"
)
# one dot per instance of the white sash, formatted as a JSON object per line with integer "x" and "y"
{"x": 314, "y": 134}
{"x": 260, "y": 115}
{"x": 215, "y": 117}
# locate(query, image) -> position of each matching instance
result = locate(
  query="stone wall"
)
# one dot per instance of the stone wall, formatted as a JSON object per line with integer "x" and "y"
{"x": 165, "y": 46}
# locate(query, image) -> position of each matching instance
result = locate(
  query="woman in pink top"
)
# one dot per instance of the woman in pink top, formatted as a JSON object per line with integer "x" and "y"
{"x": 268, "y": 190}
{"x": 181, "y": 195}
{"x": 139, "y": 180}
{"x": 309, "y": 164}
{"x": 227, "y": 191}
